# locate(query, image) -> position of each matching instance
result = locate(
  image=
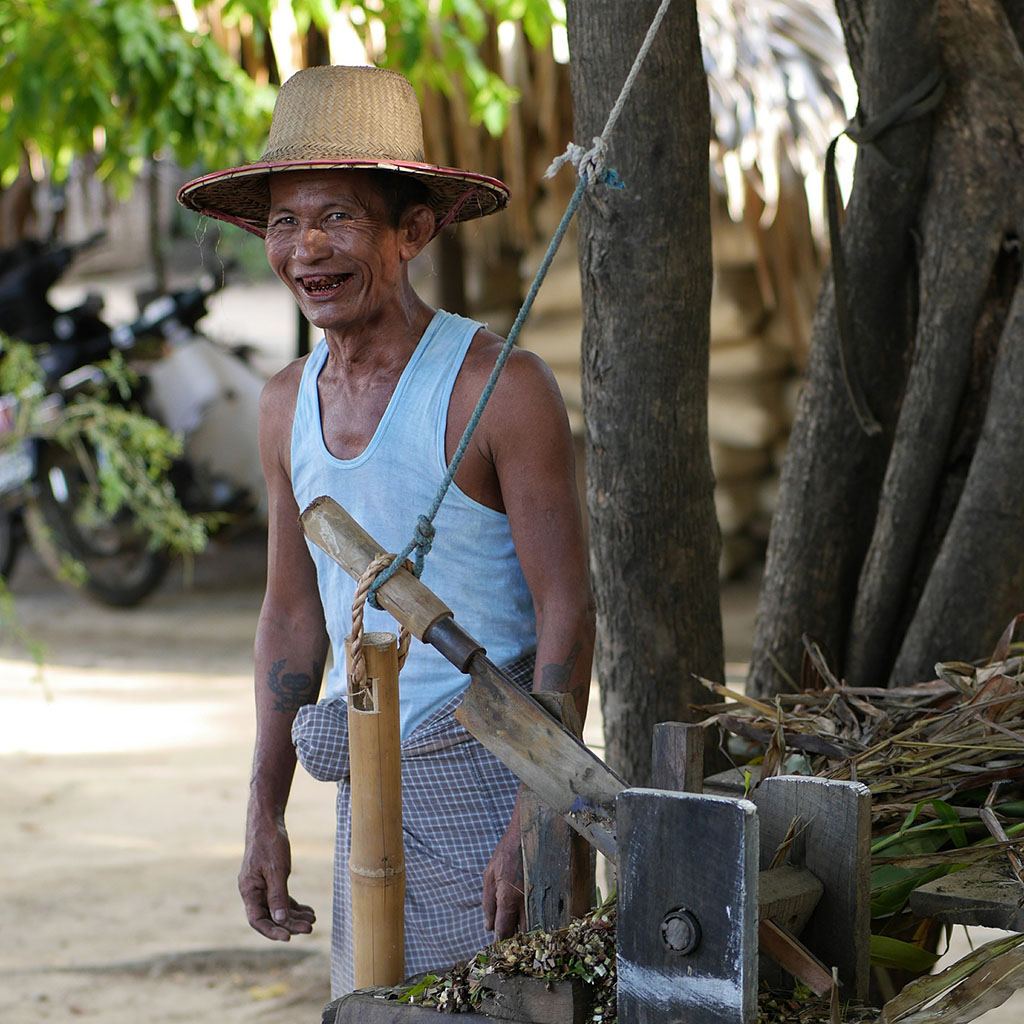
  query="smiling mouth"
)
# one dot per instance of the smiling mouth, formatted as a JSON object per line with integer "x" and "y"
{"x": 322, "y": 286}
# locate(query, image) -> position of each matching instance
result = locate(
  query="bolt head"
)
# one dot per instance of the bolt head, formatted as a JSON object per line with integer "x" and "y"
{"x": 680, "y": 931}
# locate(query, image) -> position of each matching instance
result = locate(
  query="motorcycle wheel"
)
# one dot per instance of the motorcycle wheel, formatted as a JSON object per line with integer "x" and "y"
{"x": 9, "y": 543}
{"x": 120, "y": 569}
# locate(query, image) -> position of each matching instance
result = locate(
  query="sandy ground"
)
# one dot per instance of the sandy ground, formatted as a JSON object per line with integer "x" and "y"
{"x": 126, "y": 768}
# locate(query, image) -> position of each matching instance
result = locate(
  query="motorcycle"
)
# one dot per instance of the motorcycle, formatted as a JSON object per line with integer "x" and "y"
{"x": 190, "y": 384}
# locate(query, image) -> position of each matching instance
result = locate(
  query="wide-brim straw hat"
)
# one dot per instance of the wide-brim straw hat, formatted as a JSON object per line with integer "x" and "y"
{"x": 335, "y": 118}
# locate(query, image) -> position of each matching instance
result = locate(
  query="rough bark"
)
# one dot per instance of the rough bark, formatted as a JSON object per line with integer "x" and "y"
{"x": 956, "y": 271}
{"x": 645, "y": 260}
{"x": 898, "y": 571}
{"x": 833, "y": 472}
{"x": 977, "y": 582}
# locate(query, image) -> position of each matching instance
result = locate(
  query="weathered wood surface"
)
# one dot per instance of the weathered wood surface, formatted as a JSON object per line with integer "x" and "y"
{"x": 787, "y": 896}
{"x": 987, "y": 895}
{"x": 794, "y": 957}
{"x": 377, "y": 856}
{"x": 558, "y": 863}
{"x": 833, "y": 842}
{"x": 333, "y": 530}
{"x": 677, "y": 757}
{"x": 687, "y": 918}
{"x": 732, "y": 781}
{"x": 365, "y": 1008}
{"x": 567, "y": 776}
{"x": 518, "y": 998}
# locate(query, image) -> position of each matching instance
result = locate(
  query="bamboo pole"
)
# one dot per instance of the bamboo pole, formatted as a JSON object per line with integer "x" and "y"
{"x": 377, "y": 858}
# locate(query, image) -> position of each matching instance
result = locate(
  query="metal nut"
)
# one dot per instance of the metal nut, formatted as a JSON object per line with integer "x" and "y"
{"x": 680, "y": 931}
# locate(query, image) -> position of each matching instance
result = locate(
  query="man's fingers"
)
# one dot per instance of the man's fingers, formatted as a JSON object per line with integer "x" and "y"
{"x": 267, "y": 928}
{"x": 277, "y": 897}
{"x": 510, "y": 908}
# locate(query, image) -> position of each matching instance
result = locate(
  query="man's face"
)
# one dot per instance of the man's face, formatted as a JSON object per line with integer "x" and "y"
{"x": 329, "y": 238}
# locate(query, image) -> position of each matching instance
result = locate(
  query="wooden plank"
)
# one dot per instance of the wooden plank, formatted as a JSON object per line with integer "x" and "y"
{"x": 518, "y": 998}
{"x": 733, "y": 781}
{"x": 793, "y": 957}
{"x": 566, "y": 775}
{"x": 558, "y": 863}
{"x": 986, "y": 895}
{"x": 834, "y": 844}
{"x": 677, "y": 757}
{"x": 687, "y": 919}
{"x": 366, "y": 1008}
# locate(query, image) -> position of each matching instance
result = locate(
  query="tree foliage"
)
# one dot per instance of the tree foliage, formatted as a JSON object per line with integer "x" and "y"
{"x": 124, "y": 79}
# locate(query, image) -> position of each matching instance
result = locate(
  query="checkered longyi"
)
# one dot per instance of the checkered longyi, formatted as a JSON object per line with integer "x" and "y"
{"x": 457, "y": 799}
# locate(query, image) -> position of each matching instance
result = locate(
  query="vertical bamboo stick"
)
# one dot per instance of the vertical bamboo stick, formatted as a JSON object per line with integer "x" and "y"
{"x": 377, "y": 859}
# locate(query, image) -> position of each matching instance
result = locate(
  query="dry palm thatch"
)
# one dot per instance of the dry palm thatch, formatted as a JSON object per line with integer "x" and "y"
{"x": 780, "y": 87}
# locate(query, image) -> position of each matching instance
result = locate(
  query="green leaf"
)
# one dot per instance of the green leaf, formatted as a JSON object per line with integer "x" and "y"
{"x": 900, "y": 955}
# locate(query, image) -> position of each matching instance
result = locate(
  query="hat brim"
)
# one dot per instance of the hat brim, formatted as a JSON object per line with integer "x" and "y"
{"x": 241, "y": 195}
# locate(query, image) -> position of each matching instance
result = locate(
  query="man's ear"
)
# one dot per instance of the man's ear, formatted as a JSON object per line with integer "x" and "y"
{"x": 415, "y": 230}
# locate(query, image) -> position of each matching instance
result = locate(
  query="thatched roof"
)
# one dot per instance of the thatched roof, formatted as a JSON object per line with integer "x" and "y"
{"x": 781, "y": 89}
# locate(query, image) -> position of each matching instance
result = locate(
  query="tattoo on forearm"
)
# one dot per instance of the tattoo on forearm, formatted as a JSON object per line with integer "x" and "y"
{"x": 292, "y": 689}
{"x": 556, "y": 676}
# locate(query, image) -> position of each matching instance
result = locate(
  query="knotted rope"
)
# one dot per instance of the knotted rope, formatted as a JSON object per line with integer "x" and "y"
{"x": 357, "y": 666}
{"x": 590, "y": 166}
{"x": 918, "y": 101}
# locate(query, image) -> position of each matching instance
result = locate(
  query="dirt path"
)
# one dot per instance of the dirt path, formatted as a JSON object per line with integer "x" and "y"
{"x": 123, "y": 813}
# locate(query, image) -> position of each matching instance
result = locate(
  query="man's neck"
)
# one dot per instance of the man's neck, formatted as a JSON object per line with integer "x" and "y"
{"x": 380, "y": 344}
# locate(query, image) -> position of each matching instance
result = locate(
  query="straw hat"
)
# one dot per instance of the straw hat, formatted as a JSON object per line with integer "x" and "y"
{"x": 342, "y": 117}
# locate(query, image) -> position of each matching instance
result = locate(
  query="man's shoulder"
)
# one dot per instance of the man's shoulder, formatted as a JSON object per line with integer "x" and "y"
{"x": 280, "y": 391}
{"x": 525, "y": 375}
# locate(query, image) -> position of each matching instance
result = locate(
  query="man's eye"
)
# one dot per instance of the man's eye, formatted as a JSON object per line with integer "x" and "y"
{"x": 337, "y": 216}
{"x": 283, "y": 221}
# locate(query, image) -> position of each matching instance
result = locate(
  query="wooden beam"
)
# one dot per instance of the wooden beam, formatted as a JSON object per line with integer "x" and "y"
{"x": 984, "y": 894}
{"x": 687, "y": 918}
{"x": 517, "y": 998}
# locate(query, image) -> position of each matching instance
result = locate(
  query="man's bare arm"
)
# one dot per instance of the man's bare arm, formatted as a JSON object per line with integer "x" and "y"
{"x": 527, "y": 433}
{"x": 290, "y": 653}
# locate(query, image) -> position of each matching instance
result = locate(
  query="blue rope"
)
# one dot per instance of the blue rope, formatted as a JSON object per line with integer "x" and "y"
{"x": 423, "y": 537}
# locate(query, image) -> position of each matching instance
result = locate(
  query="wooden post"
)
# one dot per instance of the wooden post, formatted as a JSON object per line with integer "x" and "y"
{"x": 377, "y": 859}
{"x": 558, "y": 863}
{"x": 677, "y": 757}
{"x": 833, "y": 841}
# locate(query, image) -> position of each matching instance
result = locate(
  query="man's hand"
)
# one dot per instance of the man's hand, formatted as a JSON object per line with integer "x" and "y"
{"x": 263, "y": 883}
{"x": 504, "y": 904}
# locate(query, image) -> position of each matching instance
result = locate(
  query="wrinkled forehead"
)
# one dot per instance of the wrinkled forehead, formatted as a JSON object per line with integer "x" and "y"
{"x": 289, "y": 188}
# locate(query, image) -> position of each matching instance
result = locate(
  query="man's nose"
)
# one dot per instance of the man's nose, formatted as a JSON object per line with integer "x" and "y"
{"x": 311, "y": 243}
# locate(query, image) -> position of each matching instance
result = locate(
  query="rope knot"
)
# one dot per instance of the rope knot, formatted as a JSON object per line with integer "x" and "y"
{"x": 424, "y": 534}
{"x": 589, "y": 163}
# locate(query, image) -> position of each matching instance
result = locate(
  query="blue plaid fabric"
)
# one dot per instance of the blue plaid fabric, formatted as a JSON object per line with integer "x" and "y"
{"x": 457, "y": 799}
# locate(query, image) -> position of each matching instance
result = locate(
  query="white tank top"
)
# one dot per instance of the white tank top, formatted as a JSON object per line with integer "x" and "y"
{"x": 472, "y": 566}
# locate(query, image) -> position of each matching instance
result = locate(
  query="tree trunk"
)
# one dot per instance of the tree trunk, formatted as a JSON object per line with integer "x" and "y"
{"x": 645, "y": 261}
{"x": 860, "y": 554}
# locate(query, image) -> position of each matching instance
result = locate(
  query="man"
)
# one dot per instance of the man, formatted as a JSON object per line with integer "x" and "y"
{"x": 372, "y": 417}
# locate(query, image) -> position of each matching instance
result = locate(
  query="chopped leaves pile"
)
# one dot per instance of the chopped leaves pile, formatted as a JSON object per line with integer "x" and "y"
{"x": 585, "y": 949}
